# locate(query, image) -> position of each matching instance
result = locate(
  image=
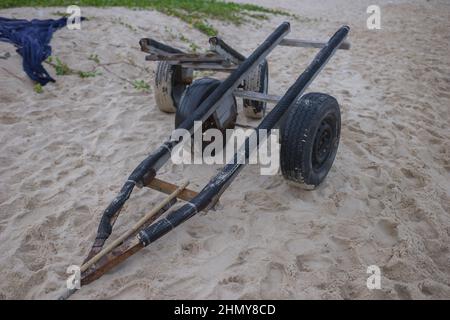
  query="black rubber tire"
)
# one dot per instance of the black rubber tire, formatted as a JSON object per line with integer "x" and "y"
{"x": 170, "y": 83}
{"x": 194, "y": 95}
{"x": 309, "y": 139}
{"x": 258, "y": 81}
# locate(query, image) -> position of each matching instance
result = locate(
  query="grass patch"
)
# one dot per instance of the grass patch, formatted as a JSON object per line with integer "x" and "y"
{"x": 205, "y": 27}
{"x": 61, "y": 68}
{"x": 180, "y": 36}
{"x": 141, "y": 85}
{"x": 38, "y": 88}
{"x": 192, "y": 45}
{"x": 122, "y": 23}
{"x": 94, "y": 57}
{"x": 194, "y": 12}
{"x": 88, "y": 74}
{"x": 60, "y": 14}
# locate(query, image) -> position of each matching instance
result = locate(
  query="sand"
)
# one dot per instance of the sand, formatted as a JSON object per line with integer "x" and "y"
{"x": 65, "y": 153}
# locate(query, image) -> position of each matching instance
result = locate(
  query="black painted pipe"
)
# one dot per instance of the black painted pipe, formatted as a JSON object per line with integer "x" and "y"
{"x": 222, "y": 180}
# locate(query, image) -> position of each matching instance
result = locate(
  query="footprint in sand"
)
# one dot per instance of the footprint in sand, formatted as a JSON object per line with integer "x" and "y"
{"x": 35, "y": 247}
{"x": 312, "y": 262}
{"x": 386, "y": 232}
{"x": 414, "y": 176}
{"x": 403, "y": 292}
{"x": 190, "y": 248}
{"x": 272, "y": 285}
{"x": 264, "y": 201}
{"x": 6, "y": 118}
{"x": 237, "y": 231}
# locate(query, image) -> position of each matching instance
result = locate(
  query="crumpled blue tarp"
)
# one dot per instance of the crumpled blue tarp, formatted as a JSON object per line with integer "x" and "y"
{"x": 32, "y": 40}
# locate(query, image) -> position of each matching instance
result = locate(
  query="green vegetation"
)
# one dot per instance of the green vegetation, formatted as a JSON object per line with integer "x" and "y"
{"x": 88, "y": 74}
{"x": 38, "y": 88}
{"x": 122, "y": 23}
{"x": 94, "y": 57}
{"x": 192, "y": 45}
{"x": 203, "y": 73}
{"x": 61, "y": 68}
{"x": 205, "y": 27}
{"x": 193, "y": 12}
{"x": 141, "y": 85}
{"x": 59, "y": 13}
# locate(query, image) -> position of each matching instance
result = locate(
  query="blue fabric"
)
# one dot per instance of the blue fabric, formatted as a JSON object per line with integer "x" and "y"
{"x": 32, "y": 40}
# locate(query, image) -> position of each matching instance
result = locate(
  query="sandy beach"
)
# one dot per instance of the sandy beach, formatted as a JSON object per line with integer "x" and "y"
{"x": 65, "y": 152}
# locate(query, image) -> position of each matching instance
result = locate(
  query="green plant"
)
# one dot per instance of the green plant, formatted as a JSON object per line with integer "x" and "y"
{"x": 170, "y": 32}
{"x": 203, "y": 73}
{"x": 141, "y": 85}
{"x": 205, "y": 27}
{"x": 38, "y": 88}
{"x": 61, "y": 68}
{"x": 192, "y": 45}
{"x": 60, "y": 14}
{"x": 88, "y": 74}
{"x": 94, "y": 57}
{"x": 122, "y": 23}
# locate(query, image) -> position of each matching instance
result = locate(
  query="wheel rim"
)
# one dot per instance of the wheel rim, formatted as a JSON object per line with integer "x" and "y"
{"x": 180, "y": 78}
{"x": 323, "y": 142}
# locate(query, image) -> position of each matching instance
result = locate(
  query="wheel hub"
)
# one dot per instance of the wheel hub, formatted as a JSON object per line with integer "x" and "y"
{"x": 322, "y": 144}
